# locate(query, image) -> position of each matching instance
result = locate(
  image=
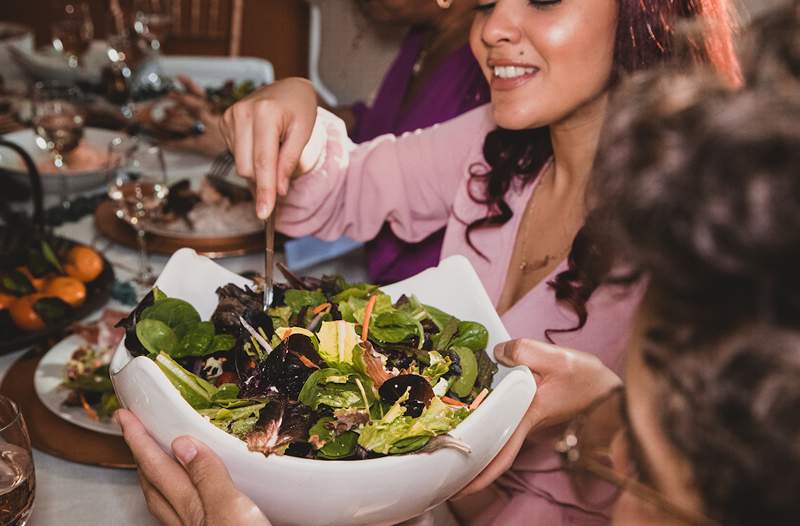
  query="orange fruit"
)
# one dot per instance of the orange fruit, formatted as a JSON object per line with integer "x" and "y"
{"x": 6, "y": 300}
{"x": 23, "y": 315}
{"x": 71, "y": 290}
{"x": 83, "y": 263}
{"x": 38, "y": 283}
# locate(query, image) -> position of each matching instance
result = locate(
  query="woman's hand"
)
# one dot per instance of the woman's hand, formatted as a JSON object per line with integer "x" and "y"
{"x": 197, "y": 492}
{"x": 267, "y": 132}
{"x": 567, "y": 383}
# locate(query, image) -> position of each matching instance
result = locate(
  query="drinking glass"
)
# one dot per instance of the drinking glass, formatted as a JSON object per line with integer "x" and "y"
{"x": 117, "y": 76}
{"x": 152, "y": 21}
{"x": 138, "y": 187}
{"x": 72, "y": 32}
{"x": 58, "y": 121}
{"x": 17, "y": 476}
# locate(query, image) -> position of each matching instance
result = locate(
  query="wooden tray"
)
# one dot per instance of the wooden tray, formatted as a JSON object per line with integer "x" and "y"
{"x": 55, "y": 436}
{"x": 112, "y": 227}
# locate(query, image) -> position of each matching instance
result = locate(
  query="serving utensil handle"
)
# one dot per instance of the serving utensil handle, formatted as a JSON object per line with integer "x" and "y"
{"x": 269, "y": 260}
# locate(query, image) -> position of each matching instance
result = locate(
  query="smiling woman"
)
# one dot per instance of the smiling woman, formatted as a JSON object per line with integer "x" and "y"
{"x": 506, "y": 180}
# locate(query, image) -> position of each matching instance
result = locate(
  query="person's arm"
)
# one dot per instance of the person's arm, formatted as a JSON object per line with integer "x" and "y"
{"x": 198, "y": 490}
{"x": 409, "y": 181}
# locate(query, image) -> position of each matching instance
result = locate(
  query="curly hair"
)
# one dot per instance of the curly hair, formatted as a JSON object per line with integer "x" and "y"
{"x": 646, "y": 37}
{"x": 696, "y": 189}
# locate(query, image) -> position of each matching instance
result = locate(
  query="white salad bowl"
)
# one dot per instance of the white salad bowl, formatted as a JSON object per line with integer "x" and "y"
{"x": 295, "y": 491}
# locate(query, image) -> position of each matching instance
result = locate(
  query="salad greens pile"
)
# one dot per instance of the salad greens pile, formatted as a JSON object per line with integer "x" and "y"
{"x": 332, "y": 370}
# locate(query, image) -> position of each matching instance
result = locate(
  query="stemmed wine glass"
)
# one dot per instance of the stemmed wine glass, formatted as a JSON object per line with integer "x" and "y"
{"x": 152, "y": 21}
{"x": 138, "y": 187}
{"x": 59, "y": 122}
{"x": 73, "y": 30}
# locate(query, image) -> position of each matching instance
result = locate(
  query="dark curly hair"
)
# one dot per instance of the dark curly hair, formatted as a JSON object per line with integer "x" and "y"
{"x": 645, "y": 37}
{"x": 696, "y": 189}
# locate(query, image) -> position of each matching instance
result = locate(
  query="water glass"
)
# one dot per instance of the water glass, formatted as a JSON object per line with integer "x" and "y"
{"x": 138, "y": 187}
{"x": 17, "y": 476}
{"x": 59, "y": 121}
{"x": 73, "y": 30}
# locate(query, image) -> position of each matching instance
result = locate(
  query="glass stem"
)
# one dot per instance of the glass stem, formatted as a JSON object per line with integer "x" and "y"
{"x": 144, "y": 275}
{"x": 58, "y": 161}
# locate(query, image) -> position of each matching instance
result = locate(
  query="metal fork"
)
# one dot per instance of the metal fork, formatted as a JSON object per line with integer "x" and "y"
{"x": 222, "y": 165}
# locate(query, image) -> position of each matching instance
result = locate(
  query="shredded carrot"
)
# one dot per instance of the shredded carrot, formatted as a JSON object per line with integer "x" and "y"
{"x": 478, "y": 399}
{"x": 321, "y": 308}
{"x": 452, "y": 401}
{"x": 367, "y": 316}
{"x": 88, "y": 409}
{"x": 306, "y": 361}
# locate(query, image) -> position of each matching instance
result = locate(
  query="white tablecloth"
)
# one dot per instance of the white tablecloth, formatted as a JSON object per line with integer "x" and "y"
{"x": 69, "y": 494}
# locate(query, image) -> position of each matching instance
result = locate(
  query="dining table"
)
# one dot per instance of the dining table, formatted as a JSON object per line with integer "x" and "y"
{"x": 69, "y": 493}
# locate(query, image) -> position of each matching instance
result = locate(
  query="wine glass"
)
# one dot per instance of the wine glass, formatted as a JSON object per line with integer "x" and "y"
{"x": 73, "y": 30}
{"x": 152, "y": 21}
{"x": 58, "y": 121}
{"x": 138, "y": 187}
{"x": 117, "y": 76}
{"x": 17, "y": 476}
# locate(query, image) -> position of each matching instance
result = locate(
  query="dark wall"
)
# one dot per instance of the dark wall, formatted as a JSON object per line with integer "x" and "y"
{"x": 273, "y": 29}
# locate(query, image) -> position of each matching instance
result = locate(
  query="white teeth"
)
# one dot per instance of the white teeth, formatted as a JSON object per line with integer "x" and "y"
{"x": 510, "y": 72}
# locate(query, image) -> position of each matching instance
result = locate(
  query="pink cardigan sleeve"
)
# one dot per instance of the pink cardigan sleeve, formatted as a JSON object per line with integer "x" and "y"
{"x": 410, "y": 180}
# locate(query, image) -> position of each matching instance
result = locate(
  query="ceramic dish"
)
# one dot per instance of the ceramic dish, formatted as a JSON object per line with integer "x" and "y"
{"x": 47, "y": 382}
{"x": 88, "y": 178}
{"x": 378, "y": 491}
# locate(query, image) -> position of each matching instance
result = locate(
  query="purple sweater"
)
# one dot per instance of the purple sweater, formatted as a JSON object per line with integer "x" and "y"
{"x": 457, "y": 86}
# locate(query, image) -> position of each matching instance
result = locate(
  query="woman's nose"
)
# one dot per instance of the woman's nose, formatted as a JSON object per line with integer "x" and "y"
{"x": 500, "y": 26}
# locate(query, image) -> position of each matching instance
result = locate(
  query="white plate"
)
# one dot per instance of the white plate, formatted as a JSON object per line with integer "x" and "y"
{"x": 179, "y": 164}
{"x": 47, "y": 382}
{"x": 378, "y": 491}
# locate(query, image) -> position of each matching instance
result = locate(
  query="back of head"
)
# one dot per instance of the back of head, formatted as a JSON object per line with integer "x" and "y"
{"x": 697, "y": 188}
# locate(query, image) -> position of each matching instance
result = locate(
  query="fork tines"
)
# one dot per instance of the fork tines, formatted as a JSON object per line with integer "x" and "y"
{"x": 222, "y": 165}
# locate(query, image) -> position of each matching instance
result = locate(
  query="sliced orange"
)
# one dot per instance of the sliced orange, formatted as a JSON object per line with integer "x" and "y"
{"x": 69, "y": 289}
{"x": 23, "y": 315}
{"x": 83, "y": 263}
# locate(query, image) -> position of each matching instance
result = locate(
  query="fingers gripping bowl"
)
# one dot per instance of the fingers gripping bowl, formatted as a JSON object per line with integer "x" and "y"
{"x": 382, "y": 490}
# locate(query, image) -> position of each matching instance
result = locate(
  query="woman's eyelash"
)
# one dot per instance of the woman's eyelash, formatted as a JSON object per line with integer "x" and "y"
{"x": 534, "y": 3}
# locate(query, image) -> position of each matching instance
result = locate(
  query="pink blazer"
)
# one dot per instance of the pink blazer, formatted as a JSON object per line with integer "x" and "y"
{"x": 418, "y": 183}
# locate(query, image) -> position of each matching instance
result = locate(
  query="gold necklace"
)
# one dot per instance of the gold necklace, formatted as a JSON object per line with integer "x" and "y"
{"x": 526, "y": 266}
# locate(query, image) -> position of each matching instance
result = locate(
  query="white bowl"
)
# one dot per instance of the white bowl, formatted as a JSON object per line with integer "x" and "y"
{"x": 293, "y": 491}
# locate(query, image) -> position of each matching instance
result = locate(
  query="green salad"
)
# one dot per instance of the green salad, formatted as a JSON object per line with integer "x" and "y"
{"x": 332, "y": 370}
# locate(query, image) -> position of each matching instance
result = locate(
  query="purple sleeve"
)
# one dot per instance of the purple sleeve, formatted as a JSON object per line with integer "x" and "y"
{"x": 409, "y": 181}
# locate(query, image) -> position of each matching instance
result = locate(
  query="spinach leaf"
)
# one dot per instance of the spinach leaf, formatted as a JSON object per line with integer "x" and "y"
{"x": 394, "y": 326}
{"x": 334, "y": 447}
{"x": 221, "y": 342}
{"x": 156, "y": 336}
{"x": 174, "y": 312}
{"x": 438, "y": 317}
{"x": 471, "y": 335}
{"x": 463, "y": 385}
{"x": 196, "y": 341}
{"x": 297, "y": 299}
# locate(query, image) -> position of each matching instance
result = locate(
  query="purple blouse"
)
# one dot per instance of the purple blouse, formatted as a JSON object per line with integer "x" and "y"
{"x": 457, "y": 86}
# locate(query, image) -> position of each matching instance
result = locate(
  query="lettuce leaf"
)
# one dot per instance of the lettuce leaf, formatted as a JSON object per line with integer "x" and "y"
{"x": 332, "y": 388}
{"x": 396, "y": 433}
{"x": 336, "y": 342}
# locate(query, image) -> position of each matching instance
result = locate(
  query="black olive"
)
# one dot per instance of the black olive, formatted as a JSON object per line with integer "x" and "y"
{"x": 419, "y": 390}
